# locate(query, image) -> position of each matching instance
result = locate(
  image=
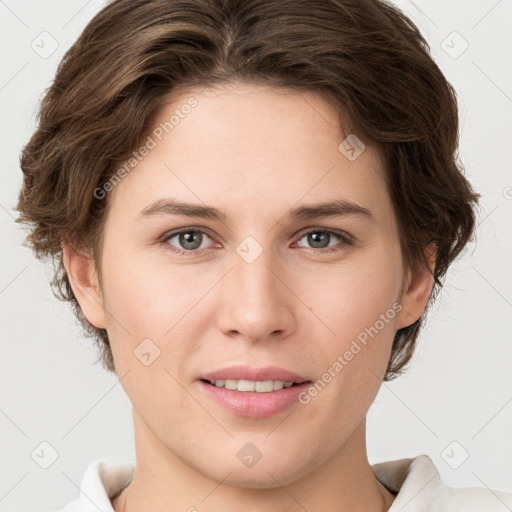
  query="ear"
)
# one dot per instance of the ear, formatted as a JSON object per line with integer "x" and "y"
{"x": 85, "y": 284}
{"x": 417, "y": 291}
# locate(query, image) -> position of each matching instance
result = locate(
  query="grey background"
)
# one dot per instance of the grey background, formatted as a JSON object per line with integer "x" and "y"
{"x": 455, "y": 400}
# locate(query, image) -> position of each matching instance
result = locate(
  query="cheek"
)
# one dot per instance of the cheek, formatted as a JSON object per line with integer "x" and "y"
{"x": 353, "y": 361}
{"x": 152, "y": 332}
{"x": 357, "y": 306}
{"x": 358, "y": 295}
{"x": 154, "y": 302}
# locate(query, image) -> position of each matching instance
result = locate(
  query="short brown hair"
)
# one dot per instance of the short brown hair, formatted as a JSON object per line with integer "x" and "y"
{"x": 365, "y": 56}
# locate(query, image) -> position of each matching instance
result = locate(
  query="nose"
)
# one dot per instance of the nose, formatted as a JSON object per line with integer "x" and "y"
{"x": 257, "y": 304}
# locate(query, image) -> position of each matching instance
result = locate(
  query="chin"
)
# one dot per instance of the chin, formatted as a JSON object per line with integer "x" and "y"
{"x": 261, "y": 481}
{"x": 268, "y": 475}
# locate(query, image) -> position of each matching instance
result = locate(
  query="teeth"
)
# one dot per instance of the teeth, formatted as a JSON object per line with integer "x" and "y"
{"x": 259, "y": 386}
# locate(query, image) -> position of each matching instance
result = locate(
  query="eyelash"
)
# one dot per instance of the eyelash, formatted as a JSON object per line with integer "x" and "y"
{"x": 344, "y": 238}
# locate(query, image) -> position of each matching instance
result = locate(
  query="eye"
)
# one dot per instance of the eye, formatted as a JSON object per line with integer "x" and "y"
{"x": 187, "y": 240}
{"x": 320, "y": 239}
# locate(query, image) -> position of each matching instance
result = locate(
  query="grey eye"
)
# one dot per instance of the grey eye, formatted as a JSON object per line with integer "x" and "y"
{"x": 320, "y": 239}
{"x": 190, "y": 240}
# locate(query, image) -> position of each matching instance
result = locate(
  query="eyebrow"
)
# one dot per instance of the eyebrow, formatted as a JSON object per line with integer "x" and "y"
{"x": 175, "y": 207}
{"x": 335, "y": 208}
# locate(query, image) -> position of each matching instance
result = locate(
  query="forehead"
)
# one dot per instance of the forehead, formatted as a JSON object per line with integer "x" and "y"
{"x": 251, "y": 146}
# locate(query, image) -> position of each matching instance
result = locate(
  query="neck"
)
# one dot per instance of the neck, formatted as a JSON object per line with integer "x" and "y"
{"x": 163, "y": 482}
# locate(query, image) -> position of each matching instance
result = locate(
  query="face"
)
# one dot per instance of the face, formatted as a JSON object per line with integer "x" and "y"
{"x": 263, "y": 280}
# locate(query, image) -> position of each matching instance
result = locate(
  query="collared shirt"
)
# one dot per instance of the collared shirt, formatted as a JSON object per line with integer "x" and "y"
{"x": 415, "y": 481}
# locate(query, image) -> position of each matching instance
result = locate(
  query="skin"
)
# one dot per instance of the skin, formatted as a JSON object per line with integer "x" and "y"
{"x": 254, "y": 153}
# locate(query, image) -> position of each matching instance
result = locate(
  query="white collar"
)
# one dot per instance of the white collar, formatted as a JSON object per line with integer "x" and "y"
{"x": 416, "y": 481}
{"x": 420, "y": 489}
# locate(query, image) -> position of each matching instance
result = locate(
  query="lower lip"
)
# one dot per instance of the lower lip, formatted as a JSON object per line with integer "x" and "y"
{"x": 252, "y": 404}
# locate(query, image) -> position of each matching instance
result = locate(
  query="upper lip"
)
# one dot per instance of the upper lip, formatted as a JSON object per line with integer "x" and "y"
{"x": 256, "y": 374}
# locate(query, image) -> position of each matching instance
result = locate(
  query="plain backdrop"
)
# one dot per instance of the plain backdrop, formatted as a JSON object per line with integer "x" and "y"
{"x": 454, "y": 403}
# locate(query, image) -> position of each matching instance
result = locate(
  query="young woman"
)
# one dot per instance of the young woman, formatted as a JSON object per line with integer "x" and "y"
{"x": 252, "y": 204}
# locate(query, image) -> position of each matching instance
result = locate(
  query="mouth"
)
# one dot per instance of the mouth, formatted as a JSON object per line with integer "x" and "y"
{"x": 245, "y": 375}
{"x": 259, "y": 386}
{"x": 254, "y": 392}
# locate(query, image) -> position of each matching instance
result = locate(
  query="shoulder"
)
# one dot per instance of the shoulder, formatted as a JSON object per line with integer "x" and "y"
{"x": 101, "y": 481}
{"x": 419, "y": 488}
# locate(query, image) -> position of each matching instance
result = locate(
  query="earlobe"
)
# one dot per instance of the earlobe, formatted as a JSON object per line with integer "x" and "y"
{"x": 84, "y": 282}
{"x": 417, "y": 292}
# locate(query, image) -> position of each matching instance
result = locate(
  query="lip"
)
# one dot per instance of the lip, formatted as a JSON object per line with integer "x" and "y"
{"x": 251, "y": 404}
{"x": 257, "y": 374}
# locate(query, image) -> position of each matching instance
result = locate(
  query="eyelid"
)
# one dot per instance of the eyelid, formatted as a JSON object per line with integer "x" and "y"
{"x": 186, "y": 229}
{"x": 164, "y": 239}
{"x": 346, "y": 240}
{"x": 342, "y": 234}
